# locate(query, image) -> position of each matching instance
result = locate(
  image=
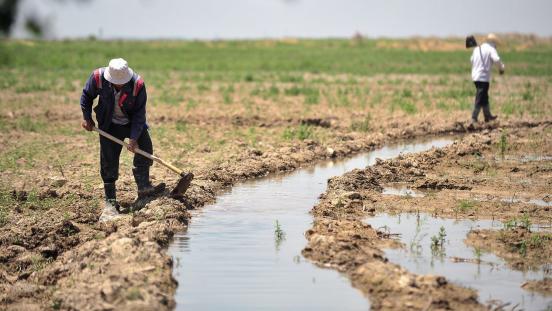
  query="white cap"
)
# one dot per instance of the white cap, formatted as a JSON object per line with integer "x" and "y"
{"x": 118, "y": 71}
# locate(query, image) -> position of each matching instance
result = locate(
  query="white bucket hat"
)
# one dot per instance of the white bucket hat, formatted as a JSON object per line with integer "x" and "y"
{"x": 492, "y": 38}
{"x": 118, "y": 71}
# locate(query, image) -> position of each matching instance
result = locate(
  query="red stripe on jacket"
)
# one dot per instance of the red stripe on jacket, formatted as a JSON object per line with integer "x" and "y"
{"x": 122, "y": 99}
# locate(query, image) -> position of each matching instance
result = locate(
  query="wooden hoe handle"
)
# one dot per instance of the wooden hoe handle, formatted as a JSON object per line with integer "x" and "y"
{"x": 140, "y": 151}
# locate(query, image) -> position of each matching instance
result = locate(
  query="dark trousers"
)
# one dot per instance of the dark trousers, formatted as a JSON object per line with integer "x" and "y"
{"x": 110, "y": 152}
{"x": 481, "y": 100}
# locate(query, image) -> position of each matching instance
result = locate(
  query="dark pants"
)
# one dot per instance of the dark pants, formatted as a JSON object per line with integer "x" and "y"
{"x": 110, "y": 152}
{"x": 481, "y": 100}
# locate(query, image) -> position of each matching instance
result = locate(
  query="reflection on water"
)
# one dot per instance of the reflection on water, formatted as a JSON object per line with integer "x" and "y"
{"x": 491, "y": 278}
{"x": 231, "y": 256}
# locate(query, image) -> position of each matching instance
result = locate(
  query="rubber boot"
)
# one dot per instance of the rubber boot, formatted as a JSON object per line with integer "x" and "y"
{"x": 110, "y": 192}
{"x": 145, "y": 188}
{"x": 111, "y": 208}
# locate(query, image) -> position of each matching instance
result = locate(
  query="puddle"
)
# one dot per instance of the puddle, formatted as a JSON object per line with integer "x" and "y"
{"x": 538, "y": 202}
{"x": 531, "y": 158}
{"x": 229, "y": 257}
{"x": 491, "y": 278}
{"x": 401, "y": 190}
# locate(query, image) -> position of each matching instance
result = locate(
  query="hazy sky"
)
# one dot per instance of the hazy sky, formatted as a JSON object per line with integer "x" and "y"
{"x": 221, "y": 19}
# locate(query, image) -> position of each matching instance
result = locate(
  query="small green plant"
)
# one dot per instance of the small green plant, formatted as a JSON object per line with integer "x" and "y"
{"x": 503, "y": 143}
{"x": 527, "y": 94}
{"x": 38, "y": 262}
{"x": 405, "y": 104}
{"x": 202, "y": 88}
{"x": 536, "y": 240}
{"x": 293, "y": 91}
{"x": 363, "y": 125}
{"x": 523, "y": 248}
{"x": 312, "y": 97}
{"x": 251, "y": 136}
{"x": 510, "y": 224}
{"x": 56, "y": 304}
{"x": 248, "y": 78}
{"x": 415, "y": 244}
{"x": 3, "y": 216}
{"x": 438, "y": 241}
{"x": 406, "y": 93}
{"x": 227, "y": 94}
{"x": 464, "y": 206}
{"x": 302, "y": 132}
{"x": 133, "y": 294}
{"x": 27, "y": 124}
{"x": 441, "y": 105}
{"x": 343, "y": 97}
{"x": 181, "y": 125}
{"x": 477, "y": 252}
{"x": 191, "y": 104}
{"x": 279, "y": 235}
{"x": 525, "y": 222}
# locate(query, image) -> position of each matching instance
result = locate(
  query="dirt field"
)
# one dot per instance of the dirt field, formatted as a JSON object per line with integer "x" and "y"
{"x": 468, "y": 180}
{"x": 240, "y": 117}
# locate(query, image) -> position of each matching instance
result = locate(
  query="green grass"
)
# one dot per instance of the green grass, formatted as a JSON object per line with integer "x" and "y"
{"x": 271, "y": 92}
{"x": 404, "y": 104}
{"x": 363, "y": 125}
{"x": 181, "y": 126}
{"x": 75, "y": 59}
{"x": 29, "y": 124}
{"x": 464, "y": 206}
{"x": 301, "y": 132}
{"x": 511, "y": 107}
{"x": 311, "y": 94}
{"x": 503, "y": 143}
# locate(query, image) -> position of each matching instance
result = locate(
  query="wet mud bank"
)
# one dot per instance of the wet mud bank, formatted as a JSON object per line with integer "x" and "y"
{"x": 55, "y": 263}
{"x": 468, "y": 180}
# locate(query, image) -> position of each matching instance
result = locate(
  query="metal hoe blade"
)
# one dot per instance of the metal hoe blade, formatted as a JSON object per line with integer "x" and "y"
{"x": 182, "y": 185}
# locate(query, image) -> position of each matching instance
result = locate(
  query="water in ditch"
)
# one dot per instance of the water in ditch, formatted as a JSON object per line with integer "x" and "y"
{"x": 230, "y": 257}
{"x": 491, "y": 278}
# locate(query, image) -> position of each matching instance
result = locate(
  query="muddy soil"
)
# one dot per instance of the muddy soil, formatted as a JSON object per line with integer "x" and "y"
{"x": 67, "y": 260}
{"x": 543, "y": 286}
{"x": 473, "y": 178}
{"x": 518, "y": 246}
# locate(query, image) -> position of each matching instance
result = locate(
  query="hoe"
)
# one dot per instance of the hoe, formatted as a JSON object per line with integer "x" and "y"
{"x": 185, "y": 178}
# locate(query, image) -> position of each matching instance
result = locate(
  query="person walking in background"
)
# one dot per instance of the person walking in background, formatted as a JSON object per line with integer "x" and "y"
{"x": 482, "y": 60}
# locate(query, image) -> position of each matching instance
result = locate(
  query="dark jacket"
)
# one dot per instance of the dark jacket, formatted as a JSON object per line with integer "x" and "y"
{"x": 133, "y": 106}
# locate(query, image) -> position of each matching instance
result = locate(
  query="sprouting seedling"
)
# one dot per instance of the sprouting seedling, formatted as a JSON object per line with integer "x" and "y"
{"x": 525, "y": 222}
{"x": 279, "y": 235}
{"x": 503, "y": 143}
{"x": 438, "y": 243}
{"x": 478, "y": 252}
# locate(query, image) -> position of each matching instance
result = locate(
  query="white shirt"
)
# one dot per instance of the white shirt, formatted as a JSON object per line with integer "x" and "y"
{"x": 119, "y": 116}
{"x": 482, "y": 59}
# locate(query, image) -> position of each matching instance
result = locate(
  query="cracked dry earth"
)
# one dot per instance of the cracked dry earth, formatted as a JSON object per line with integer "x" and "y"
{"x": 52, "y": 261}
{"x": 466, "y": 180}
